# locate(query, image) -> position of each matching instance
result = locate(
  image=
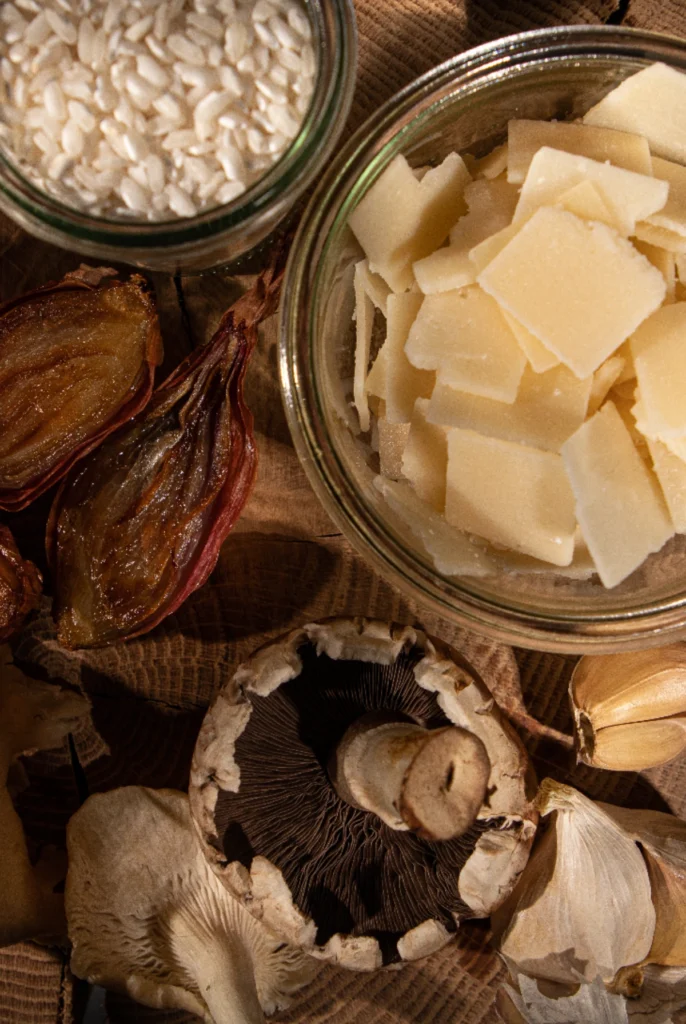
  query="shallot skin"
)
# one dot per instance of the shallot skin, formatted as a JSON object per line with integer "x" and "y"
{"x": 77, "y": 359}
{"x": 137, "y": 526}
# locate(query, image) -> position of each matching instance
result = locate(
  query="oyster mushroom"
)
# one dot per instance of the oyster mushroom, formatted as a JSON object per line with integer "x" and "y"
{"x": 148, "y": 918}
{"x": 355, "y": 787}
{"x": 33, "y": 716}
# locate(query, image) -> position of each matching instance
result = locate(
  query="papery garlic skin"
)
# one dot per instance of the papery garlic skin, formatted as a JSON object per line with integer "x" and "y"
{"x": 630, "y": 709}
{"x": 583, "y": 906}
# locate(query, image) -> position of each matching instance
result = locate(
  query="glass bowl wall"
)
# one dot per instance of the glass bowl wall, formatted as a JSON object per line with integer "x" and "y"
{"x": 462, "y": 105}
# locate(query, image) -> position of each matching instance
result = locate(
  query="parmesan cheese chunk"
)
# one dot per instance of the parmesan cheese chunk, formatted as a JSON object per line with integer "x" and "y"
{"x": 664, "y": 261}
{"x": 493, "y": 164}
{"x": 540, "y": 357}
{"x": 585, "y": 201}
{"x": 525, "y": 138}
{"x": 621, "y": 512}
{"x": 452, "y": 552}
{"x": 631, "y": 197}
{"x": 659, "y": 352}
{"x": 425, "y": 458}
{"x": 491, "y": 205}
{"x": 548, "y": 408}
{"x": 376, "y": 379}
{"x": 392, "y": 441}
{"x": 603, "y": 380}
{"x": 404, "y": 383}
{"x": 671, "y": 473}
{"x": 510, "y": 494}
{"x": 579, "y": 287}
{"x": 401, "y": 219}
{"x": 673, "y": 214}
{"x": 464, "y": 336}
{"x": 651, "y": 103}
{"x": 661, "y": 238}
{"x": 364, "y": 321}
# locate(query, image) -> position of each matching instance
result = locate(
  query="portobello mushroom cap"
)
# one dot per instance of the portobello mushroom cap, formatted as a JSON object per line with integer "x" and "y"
{"x": 328, "y": 846}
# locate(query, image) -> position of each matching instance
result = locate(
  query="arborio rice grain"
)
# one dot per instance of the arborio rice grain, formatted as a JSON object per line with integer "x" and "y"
{"x": 146, "y": 110}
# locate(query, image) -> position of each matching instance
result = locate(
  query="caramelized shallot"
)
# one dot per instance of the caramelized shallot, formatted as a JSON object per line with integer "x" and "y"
{"x": 77, "y": 359}
{"x": 20, "y": 586}
{"x": 137, "y": 526}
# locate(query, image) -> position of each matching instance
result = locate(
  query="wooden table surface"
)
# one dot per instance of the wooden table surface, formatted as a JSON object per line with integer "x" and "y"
{"x": 285, "y": 564}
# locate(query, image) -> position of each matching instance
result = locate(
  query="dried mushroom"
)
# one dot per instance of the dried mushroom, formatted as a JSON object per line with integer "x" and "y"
{"x": 595, "y": 929}
{"x": 137, "y": 526}
{"x": 148, "y": 918}
{"x": 77, "y": 359}
{"x": 630, "y": 709}
{"x": 20, "y": 586}
{"x": 33, "y": 716}
{"x": 326, "y": 763}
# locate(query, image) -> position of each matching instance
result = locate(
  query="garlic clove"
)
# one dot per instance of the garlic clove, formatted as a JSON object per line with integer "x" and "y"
{"x": 637, "y": 746}
{"x": 662, "y": 838}
{"x": 583, "y": 906}
{"x": 625, "y": 691}
{"x": 532, "y": 1003}
{"x": 614, "y": 689}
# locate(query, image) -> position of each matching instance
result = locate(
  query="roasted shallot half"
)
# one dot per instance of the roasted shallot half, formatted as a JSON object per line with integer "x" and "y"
{"x": 137, "y": 526}
{"x": 77, "y": 359}
{"x": 20, "y": 585}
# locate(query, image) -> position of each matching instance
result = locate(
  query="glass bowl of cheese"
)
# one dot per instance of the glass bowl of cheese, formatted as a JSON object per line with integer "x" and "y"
{"x": 483, "y": 339}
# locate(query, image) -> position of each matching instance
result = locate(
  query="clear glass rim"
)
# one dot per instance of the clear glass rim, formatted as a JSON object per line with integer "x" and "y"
{"x": 335, "y": 42}
{"x": 632, "y": 628}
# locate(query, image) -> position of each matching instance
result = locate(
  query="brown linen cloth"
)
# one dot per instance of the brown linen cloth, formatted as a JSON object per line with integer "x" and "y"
{"x": 284, "y": 565}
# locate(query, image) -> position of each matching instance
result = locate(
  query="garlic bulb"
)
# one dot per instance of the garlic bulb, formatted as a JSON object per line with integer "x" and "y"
{"x": 582, "y": 907}
{"x": 525, "y": 1003}
{"x": 630, "y": 709}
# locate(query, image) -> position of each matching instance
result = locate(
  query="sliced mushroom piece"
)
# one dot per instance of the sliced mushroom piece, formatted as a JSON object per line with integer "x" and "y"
{"x": 148, "y": 918}
{"x": 33, "y": 716}
{"x": 355, "y": 786}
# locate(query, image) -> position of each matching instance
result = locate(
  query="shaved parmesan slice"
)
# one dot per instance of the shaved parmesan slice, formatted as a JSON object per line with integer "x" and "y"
{"x": 659, "y": 351}
{"x": 664, "y": 261}
{"x": 491, "y": 204}
{"x": 376, "y": 379}
{"x": 404, "y": 383}
{"x": 629, "y": 370}
{"x": 631, "y": 197}
{"x": 621, "y": 512}
{"x": 444, "y": 270}
{"x": 364, "y": 321}
{"x": 548, "y": 408}
{"x": 578, "y": 286}
{"x": 401, "y": 219}
{"x": 585, "y": 201}
{"x": 673, "y": 214}
{"x": 482, "y": 254}
{"x": 661, "y": 237}
{"x": 510, "y": 494}
{"x": 540, "y": 357}
{"x": 604, "y": 378}
{"x": 493, "y": 164}
{"x": 425, "y": 458}
{"x": 464, "y": 336}
{"x": 525, "y": 138}
{"x": 581, "y": 567}
{"x": 651, "y": 103}
{"x": 671, "y": 474}
{"x": 392, "y": 441}
{"x": 453, "y": 552}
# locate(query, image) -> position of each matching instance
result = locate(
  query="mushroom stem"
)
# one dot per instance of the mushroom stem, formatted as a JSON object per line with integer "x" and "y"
{"x": 429, "y": 781}
{"x": 223, "y": 972}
